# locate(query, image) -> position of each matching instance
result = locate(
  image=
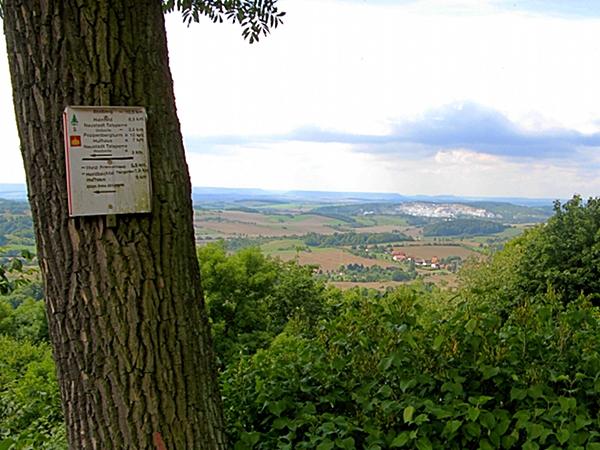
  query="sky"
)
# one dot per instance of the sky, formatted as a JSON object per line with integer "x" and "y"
{"x": 460, "y": 97}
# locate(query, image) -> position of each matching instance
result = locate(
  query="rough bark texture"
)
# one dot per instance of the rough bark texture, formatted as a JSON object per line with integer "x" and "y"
{"x": 125, "y": 309}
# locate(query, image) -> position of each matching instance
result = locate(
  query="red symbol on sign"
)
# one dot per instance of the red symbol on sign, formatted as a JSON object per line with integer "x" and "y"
{"x": 75, "y": 141}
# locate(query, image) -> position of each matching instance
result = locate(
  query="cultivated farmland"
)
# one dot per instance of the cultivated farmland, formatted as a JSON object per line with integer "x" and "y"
{"x": 330, "y": 259}
{"x": 441, "y": 251}
{"x": 240, "y": 223}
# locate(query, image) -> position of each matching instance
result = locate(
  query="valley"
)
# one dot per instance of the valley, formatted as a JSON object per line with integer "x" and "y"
{"x": 366, "y": 241}
{"x": 349, "y": 240}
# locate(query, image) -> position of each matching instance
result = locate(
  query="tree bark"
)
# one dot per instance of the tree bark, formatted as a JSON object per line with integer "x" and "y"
{"x": 125, "y": 309}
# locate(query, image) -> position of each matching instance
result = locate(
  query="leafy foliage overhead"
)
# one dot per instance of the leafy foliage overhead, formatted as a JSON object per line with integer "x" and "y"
{"x": 256, "y": 17}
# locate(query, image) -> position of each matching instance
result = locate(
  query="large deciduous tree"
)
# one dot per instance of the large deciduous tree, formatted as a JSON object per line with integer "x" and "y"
{"x": 125, "y": 309}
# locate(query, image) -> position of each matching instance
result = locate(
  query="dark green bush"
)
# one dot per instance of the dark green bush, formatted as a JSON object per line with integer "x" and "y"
{"x": 30, "y": 411}
{"x": 395, "y": 372}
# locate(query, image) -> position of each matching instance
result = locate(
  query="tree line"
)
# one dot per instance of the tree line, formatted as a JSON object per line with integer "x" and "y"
{"x": 463, "y": 227}
{"x": 353, "y": 239}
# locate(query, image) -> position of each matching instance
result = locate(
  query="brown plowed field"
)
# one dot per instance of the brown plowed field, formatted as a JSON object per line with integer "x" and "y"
{"x": 380, "y": 285}
{"x": 441, "y": 251}
{"x": 239, "y": 223}
{"x": 332, "y": 258}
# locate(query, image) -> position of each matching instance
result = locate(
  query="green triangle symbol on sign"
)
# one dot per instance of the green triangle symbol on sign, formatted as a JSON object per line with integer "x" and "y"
{"x": 74, "y": 120}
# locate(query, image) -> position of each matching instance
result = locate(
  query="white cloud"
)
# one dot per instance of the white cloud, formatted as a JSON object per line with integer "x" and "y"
{"x": 295, "y": 165}
{"x": 355, "y": 66}
{"x": 468, "y": 173}
{"x": 461, "y": 157}
{"x": 338, "y": 167}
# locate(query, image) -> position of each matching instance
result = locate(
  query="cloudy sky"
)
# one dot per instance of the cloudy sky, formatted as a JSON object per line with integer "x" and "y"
{"x": 464, "y": 97}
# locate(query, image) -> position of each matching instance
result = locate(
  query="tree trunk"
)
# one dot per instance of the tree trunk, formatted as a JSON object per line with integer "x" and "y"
{"x": 125, "y": 310}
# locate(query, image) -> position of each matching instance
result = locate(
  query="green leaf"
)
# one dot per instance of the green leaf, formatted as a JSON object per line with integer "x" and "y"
{"x": 451, "y": 427}
{"x": 328, "y": 428}
{"x": 565, "y": 404}
{"x": 522, "y": 415}
{"x": 535, "y": 391}
{"x": 509, "y": 440}
{"x": 440, "y": 413}
{"x": 280, "y": 422}
{"x": 518, "y": 394}
{"x": 385, "y": 363}
{"x": 276, "y": 408}
{"x": 502, "y": 426}
{"x": 534, "y": 430}
{"x": 5, "y": 444}
{"x": 485, "y": 445}
{"x": 400, "y": 440}
{"x": 473, "y": 413}
{"x": 488, "y": 420}
{"x": 250, "y": 438}
{"x": 480, "y": 400}
{"x": 489, "y": 372}
{"x": 347, "y": 443}
{"x": 530, "y": 445}
{"x": 386, "y": 391}
{"x": 581, "y": 422}
{"x": 472, "y": 429}
{"x": 563, "y": 435}
{"x": 409, "y": 411}
{"x": 407, "y": 384}
{"x": 471, "y": 325}
{"x": 437, "y": 342}
{"x": 423, "y": 443}
{"x": 338, "y": 363}
{"x": 327, "y": 444}
{"x": 421, "y": 418}
{"x": 239, "y": 445}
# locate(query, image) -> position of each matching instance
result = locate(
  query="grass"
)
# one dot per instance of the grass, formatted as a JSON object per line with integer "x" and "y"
{"x": 17, "y": 248}
{"x": 281, "y": 245}
{"x": 379, "y": 220}
{"x": 331, "y": 258}
{"x": 441, "y": 251}
{"x": 288, "y": 207}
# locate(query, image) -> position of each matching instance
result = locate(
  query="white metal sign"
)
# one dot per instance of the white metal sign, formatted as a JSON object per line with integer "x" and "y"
{"x": 108, "y": 170}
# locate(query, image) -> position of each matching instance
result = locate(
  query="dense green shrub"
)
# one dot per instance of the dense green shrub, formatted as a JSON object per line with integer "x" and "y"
{"x": 30, "y": 411}
{"x": 25, "y": 320}
{"x": 395, "y": 372}
{"x": 561, "y": 256}
{"x": 250, "y": 297}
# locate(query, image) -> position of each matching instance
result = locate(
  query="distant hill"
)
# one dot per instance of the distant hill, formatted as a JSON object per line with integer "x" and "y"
{"x": 208, "y": 195}
{"x": 16, "y": 226}
{"x": 422, "y": 213}
{"x": 504, "y": 206}
{"x": 13, "y": 191}
{"x": 516, "y": 213}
